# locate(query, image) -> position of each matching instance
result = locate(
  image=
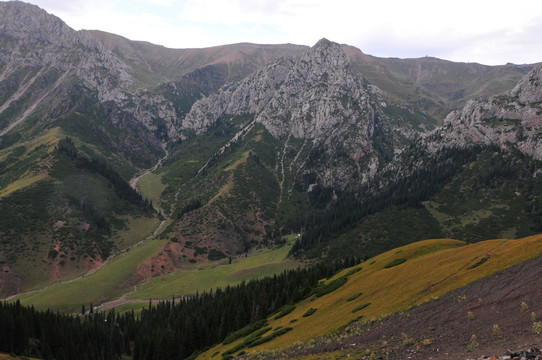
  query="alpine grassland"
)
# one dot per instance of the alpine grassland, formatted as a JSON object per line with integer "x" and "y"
{"x": 151, "y": 186}
{"x": 432, "y": 269}
{"x": 201, "y": 278}
{"x": 113, "y": 280}
{"x": 107, "y": 283}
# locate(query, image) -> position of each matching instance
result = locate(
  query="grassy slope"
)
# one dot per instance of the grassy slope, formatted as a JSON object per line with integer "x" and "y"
{"x": 33, "y": 163}
{"x": 113, "y": 279}
{"x": 261, "y": 264}
{"x": 238, "y": 189}
{"x": 151, "y": 187}
{"x": 107, "y": 283}
{"x": 18, "y": 162}
{"x": 434, "y": 85}
{"x": 433, "y": 268}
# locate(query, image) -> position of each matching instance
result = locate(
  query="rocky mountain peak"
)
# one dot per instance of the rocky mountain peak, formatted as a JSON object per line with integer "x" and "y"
{"x": 30, "y": 24}
{"x": 289, "y": 95}
{"x": 326, "y": 53}
{"x": 315, "y": 97}
{"x": 529, "y": 89}
{"x": 42, "y": 42}
{"x": 323, "y": 42}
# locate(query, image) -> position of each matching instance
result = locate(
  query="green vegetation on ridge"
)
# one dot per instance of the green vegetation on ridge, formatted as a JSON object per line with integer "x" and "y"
{"x": 470, "y": 194}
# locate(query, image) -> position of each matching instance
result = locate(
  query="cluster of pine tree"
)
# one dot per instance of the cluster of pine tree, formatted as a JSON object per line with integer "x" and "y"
{"x": 49, "y": 335}
{"x": 406, "y": 191}
{"x": 90, "y": 212}
{"x": 192, "y": 205}
{"x": 173, "y": 329}
{"x": 101, "y": 167}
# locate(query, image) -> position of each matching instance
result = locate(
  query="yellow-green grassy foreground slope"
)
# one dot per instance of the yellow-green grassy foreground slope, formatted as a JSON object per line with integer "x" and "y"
{"x": 432, "y": 269}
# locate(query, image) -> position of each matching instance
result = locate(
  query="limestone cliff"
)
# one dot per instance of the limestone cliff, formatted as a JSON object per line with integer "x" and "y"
{"x": 318, "y": 98}
{"x": 511, "y": 120}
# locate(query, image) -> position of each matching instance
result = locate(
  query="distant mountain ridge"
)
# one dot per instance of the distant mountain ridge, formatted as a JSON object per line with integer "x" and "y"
{"x": 434, "y": 85}
{"x": 172, "y": 64}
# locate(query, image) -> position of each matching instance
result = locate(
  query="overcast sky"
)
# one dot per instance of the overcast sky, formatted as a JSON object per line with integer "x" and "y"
{"x": 485, "y": 31}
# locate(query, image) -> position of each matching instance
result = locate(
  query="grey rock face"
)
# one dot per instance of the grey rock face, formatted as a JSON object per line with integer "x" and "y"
{"x": 529, "y": 89}
{"x": 298, "y": 96}
{"x": 42, "y": 59}
{"x": 38, "y": 39}
{"x": 31, "y": 25}
{"x": 316, "y": 97}
{"x": 512, "y": 120}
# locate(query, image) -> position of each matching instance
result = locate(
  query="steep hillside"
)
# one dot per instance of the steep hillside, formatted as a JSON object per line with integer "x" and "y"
{"x": 475, "y": 177}
{"x": 364, "y": 311}
{"x": 345, "y": 314}
{"x": 62, "y": 212}
{"x": 53, "y": 76}
{"x": 262, "y": 153}
{"x": 65, "y": 205}
{"x": 318, "y": 100}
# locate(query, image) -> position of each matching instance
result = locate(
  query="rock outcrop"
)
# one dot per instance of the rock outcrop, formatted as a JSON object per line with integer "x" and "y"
{"x": 39, "y": 39}
{"x": 49, "y": 69}
{"x": 511, "y": 120}
{"x": 315, "y": 97}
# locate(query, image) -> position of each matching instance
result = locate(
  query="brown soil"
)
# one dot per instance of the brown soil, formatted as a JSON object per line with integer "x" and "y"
{"x": 157, "y": 265}
{"x": 497, "y": 310}
{"x": 484, "y": 319}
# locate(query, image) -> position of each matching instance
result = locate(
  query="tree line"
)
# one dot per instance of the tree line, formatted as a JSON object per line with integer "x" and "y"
{"x": 173, "y": 329}
{"x": 101, "y": 167}
{"x": 397, "y": 187}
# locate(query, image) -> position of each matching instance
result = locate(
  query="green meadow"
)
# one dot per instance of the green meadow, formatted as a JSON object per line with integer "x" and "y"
{"x": 186, "y": 282}
{"x": 109, "y": 282}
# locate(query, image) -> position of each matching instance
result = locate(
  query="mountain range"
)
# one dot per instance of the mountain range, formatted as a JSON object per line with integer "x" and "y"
{"x": 239, "y": 145}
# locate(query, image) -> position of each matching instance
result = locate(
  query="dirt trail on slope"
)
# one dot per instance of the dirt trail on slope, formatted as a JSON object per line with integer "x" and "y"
{"x": 135, "y": 180}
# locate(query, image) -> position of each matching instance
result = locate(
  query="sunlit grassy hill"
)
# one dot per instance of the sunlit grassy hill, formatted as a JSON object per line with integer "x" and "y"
{"x": 386, "y": 284}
